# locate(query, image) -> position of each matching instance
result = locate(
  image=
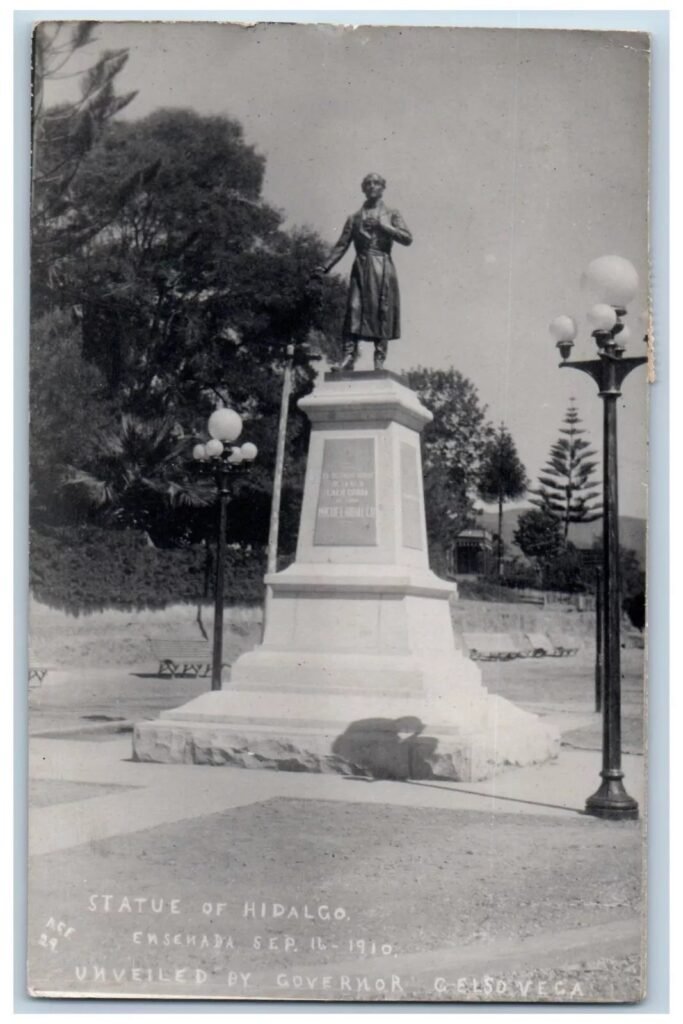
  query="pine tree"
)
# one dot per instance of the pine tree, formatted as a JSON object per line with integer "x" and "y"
{"x": 502, "y": 477}
{"x": 568, "y": 489}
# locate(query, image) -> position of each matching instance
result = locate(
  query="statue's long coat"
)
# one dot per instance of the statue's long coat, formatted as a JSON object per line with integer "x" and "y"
{"x": 373, "y": 307}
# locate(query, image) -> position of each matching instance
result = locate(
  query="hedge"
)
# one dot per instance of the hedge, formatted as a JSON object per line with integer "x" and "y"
{"x": 86, "y": 568}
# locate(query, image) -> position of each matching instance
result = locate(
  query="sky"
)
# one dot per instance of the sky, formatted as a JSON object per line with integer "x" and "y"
{"x": 515, "y": 157}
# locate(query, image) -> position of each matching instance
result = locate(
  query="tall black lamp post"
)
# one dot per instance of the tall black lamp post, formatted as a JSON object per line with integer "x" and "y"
{"x": 224, "y": 426}
{"x": 614, "y": 282}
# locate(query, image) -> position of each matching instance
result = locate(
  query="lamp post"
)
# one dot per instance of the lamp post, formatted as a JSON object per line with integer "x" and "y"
{"x": 592, "y": 560}
{"x": 308, "y": 350}
{"x": 274, "y": 528}
{"x": 614, "y": 282}
{"x": 224, "y": 426}
{"x": 599, "y": 640}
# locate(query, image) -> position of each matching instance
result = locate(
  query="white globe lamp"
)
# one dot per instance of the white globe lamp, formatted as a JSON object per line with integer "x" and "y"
{"x": 564, "y": 330}
{"x": 602, "y": 317}
{"x": 214, "y": 448}
{"x": 612, "y": 280}
{"x": 225, "y": 425}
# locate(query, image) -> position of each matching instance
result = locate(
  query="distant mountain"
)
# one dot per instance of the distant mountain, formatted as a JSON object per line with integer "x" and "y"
{"x": 632, "y": 531}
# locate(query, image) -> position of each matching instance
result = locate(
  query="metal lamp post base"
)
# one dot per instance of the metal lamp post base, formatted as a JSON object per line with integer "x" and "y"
{"x": 612, "y": 801}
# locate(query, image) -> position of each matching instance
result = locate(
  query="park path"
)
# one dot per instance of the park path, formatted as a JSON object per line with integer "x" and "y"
{"x": 158, "y": 794}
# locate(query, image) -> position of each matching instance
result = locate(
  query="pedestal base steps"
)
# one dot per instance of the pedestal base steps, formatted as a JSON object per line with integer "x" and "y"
{"x": 465, "y": 736}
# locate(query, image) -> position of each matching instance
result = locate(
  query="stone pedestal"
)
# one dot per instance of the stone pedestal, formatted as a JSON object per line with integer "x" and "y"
{"x": 358, "y": 671}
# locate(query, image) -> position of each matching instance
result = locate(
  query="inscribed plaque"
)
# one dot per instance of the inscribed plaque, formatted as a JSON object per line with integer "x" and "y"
{"x": 347, "y": 512}
{"x": 411, "y": 519}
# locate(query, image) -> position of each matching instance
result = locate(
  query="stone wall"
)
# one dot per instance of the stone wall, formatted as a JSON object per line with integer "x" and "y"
{"x": 113, "y": 637}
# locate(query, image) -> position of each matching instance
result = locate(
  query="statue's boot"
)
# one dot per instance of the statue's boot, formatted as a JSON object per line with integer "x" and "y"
{"x": 350, "y": 354}
{"x": 381, "y": 346}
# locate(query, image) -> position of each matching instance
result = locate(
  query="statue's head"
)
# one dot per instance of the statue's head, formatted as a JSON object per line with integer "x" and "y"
{"x": 373, "y": 185}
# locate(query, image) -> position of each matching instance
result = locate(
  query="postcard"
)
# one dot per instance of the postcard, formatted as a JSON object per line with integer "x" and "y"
{"x": 338, "y": 503}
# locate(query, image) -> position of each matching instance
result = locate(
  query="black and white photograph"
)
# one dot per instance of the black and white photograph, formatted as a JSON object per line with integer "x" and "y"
{"x": 341, "y": 338}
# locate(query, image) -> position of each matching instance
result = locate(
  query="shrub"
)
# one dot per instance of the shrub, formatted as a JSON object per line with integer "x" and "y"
{"x": 518, "y": 575}
{"x": 566, "y": 572}
{"x": 487, "y": 590}
{"x": 87, "y": 568}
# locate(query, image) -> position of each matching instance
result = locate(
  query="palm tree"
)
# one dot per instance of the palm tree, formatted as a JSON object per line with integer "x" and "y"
{"x": 136, "y": 474}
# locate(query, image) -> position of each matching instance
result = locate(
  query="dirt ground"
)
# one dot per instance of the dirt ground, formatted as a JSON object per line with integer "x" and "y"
{"x": 399, "y": 881}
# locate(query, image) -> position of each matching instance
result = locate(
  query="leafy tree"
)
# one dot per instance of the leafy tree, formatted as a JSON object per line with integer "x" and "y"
{"x": 502, "y": 477}
{"x": 539, "y": 535}
{"x": 453, "y": 445}
{"x": 190, "y": 292}
{"x": 193, "y": 282}
{"x": 567, "y": 488}
{"x": 68, "y": 404}
{"x": 559, "y": 565}
{"x": 62, "y": 137}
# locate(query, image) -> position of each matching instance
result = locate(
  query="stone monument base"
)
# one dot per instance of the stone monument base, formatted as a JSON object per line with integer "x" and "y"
{"x": 358, "y": 672}
{"x": 471, "y": 737}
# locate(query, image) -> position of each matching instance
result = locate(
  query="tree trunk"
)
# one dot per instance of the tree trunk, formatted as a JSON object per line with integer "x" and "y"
{"x": 500, "y": 535}
{"x": 567, "y": 513}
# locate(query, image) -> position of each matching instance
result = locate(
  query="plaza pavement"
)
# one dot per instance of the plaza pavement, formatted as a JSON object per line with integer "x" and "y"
{"x": 558, "y": 788}
{"x": 81, "y": 722}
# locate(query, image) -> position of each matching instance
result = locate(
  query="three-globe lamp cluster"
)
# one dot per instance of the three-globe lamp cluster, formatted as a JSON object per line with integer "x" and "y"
{"x": 611, "y": 283}
{"x": 224, "y": 427}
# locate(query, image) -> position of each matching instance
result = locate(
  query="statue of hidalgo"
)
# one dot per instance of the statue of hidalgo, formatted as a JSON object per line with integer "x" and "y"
{"x": 373, "y": 303}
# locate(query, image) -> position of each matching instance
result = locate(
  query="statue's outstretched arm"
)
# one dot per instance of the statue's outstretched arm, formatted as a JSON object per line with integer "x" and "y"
{"x": 340, "y": 248}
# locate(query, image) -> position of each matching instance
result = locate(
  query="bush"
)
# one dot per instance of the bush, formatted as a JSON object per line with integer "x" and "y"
{"x": 487, "y": 590}
{"x": 567, "y": 572}
{"x": 517, "y": 575}
{"x": 86, "y": 568}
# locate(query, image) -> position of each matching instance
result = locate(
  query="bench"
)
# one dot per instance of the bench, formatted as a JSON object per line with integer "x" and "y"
{"x": 490, "y": 646}
{"x": 503, "y": 647}
{"x": 182, "y": 657}
{"x": 565, "y": 647}
{"x": 543, "y": 647}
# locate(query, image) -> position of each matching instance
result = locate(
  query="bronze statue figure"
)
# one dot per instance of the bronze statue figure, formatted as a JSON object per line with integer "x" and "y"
{"x": 372, "y": 305}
